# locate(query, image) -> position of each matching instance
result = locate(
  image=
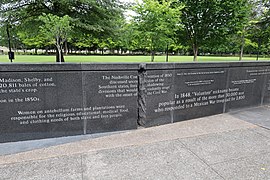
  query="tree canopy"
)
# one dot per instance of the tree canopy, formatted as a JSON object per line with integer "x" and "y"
{"x": 156, "y": 26}
{"x": 157, "y": 22}
{"x": 87, "y": 16}
{"x": 209, "y": 21}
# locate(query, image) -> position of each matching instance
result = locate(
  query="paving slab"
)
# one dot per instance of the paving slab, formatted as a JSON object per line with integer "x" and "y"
{"x": 162, "y": 160}
{"x": 259, "y": 116}
{"x": 249, "y": 168}
{"x": 220, "y": 147}
{"x": 262, "y": 131}
{"x": 64, "y": 167}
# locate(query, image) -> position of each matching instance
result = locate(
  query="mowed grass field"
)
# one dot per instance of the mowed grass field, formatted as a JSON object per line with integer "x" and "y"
{"x": 115, "y": 59}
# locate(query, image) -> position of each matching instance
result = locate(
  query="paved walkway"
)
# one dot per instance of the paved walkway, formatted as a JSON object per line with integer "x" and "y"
{"x": 228, "y": 146}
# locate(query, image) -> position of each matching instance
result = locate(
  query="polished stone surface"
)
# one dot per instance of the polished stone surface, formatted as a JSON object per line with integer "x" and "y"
{"x": 111, "y": 97}
{"x": 52, "y": 100}
{"x": 39, "y": 105}
{"x": 199, "y": 92}
{"x": 247, "y": 87}
{"x": 55, "y": 100}
{"x": 203, "y": 89}
{"x": 159, "y": 86}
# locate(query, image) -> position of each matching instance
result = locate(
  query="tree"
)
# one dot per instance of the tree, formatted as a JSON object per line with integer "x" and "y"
{"x": 255, "y": 28}
{"x": 260, "y": 31}
{"x": 242, "y": 36}
{"x": 131, "y": 38}
{"x": 157, "y": 21}
{"x": 210, "y": 21}
{"x": 90, "y": 17}
{"x": 56, "y": 29}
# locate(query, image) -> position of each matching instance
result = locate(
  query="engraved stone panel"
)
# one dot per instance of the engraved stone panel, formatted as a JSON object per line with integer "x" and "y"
{"x": 39, "y": 104}
{"x": 199, "y": 92}
{"x": 59, "y": 100}
{"x": 110, "y": 100}
{"x": 266, "y": 90}
{"x": 246, "y": 87}
{"x": 159, "y": 86}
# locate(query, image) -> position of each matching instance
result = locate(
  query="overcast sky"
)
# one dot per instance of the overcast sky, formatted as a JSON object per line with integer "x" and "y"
{"x": 129, "y": 13}
{"x": 127, "y": 0}
{"x": 130, "y": 1}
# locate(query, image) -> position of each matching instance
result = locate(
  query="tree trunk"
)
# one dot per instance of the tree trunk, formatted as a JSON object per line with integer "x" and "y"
{"x": 9, "y": 41}
{"x": 242, "y": 48}
{"x": 152, "y": 56}
{"x": 167, "y": 53}
{"x": 195, "y": 52}
{"x": 65, "y": 47}
{"x": 259, "y": 48}
{"x": 59, "y": 52}
{"x": 59, "y": 55}
{"x": 46, "y": 50}
{"x": 152, "y": 50}
{"x": 241, "y": 52}
{"x": 62, "y": 56}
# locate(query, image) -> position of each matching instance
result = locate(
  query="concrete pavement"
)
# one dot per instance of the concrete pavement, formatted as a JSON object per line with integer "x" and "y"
{"x": 228, "y": 146}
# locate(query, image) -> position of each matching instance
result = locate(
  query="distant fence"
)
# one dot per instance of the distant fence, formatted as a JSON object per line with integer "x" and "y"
{"x": 52, "y": 100}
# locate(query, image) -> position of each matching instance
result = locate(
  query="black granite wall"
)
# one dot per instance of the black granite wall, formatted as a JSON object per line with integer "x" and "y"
{"x": 52, "y": 100}
{"x": 49, "y": 100}
{"x": 177, "y": 92}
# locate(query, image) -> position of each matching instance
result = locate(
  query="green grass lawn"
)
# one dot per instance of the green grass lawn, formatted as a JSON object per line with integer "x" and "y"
{"x": 128, "y": 59}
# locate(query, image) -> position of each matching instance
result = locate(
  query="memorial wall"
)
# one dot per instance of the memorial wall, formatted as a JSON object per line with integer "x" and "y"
{"x": 42, "y": 101}
{"x": 52, "y": 100}
{"x": 177, "y": 92}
